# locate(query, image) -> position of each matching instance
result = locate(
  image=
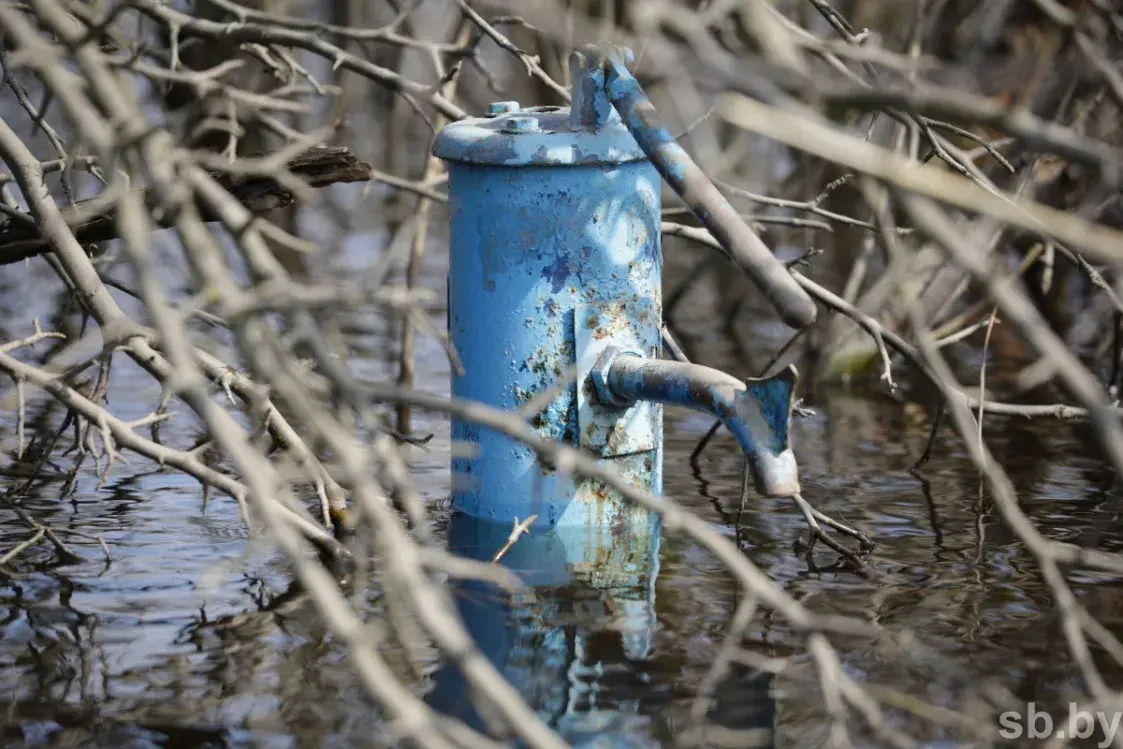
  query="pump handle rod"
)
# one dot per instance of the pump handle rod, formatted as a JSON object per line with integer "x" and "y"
{"x": 704, "y": 200}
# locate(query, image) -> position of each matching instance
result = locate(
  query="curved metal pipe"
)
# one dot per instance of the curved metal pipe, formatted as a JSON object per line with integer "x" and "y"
{"x": 707, "y": 203}
{"x": 757, "y": 411}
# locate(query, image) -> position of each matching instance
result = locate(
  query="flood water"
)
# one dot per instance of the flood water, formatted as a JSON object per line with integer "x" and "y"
{"x": 189, "y": 636}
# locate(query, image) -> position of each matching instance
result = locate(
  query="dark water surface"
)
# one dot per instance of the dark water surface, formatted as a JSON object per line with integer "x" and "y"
{"x": 188, "y": 636}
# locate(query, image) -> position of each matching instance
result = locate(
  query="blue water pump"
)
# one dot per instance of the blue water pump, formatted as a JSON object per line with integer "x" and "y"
{"x": 555, "y": 273}
{"x": 555, "y": 309}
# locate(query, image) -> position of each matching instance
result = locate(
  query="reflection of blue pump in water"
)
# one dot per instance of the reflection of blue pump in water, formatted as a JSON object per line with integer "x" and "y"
{"x": 574, "y": 651}
{"x": 581, "y": 654}
{"x": 555, "y": 268}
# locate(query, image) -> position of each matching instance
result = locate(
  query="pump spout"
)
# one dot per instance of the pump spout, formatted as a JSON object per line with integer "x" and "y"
{"x": 757, "y": 411}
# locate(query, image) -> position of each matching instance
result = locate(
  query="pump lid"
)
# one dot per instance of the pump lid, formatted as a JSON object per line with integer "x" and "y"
{"x": 535, "y": 136}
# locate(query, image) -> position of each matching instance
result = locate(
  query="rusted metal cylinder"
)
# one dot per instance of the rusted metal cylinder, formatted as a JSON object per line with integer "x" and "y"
{"x": 555, "y": 246}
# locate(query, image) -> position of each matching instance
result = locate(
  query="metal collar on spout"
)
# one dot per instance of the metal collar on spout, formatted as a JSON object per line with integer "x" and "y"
{"x": 757, "y": 411}
{"x": 684, "y": 176}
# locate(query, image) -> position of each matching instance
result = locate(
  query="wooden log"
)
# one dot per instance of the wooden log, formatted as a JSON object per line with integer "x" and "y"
{"x": 318, "y": 167}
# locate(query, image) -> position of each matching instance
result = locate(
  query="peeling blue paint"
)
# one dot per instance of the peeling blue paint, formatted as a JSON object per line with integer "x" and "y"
{"x": 525, "y": 252}
{"x": 557, "y": 273}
